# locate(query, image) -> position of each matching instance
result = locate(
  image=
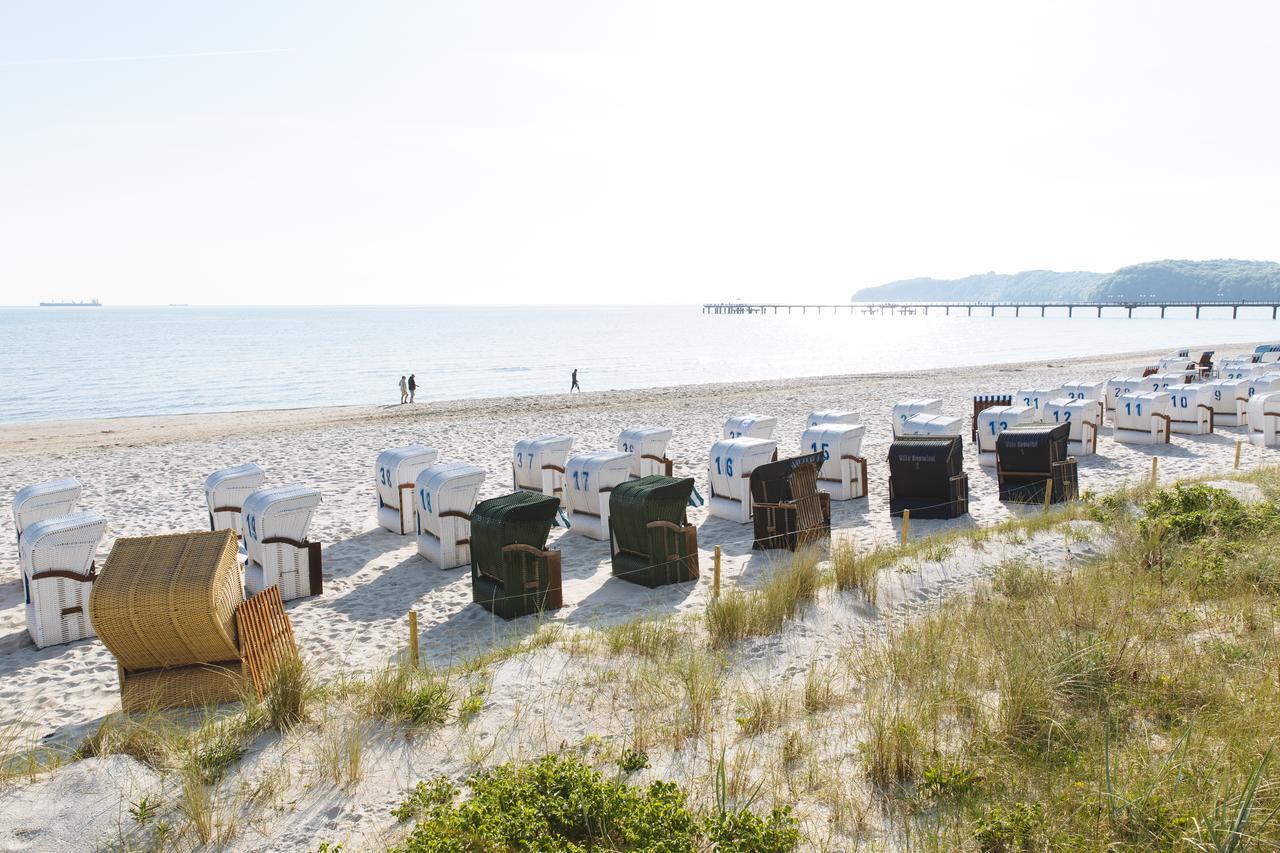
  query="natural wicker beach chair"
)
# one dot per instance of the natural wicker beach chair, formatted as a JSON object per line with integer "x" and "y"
{"x": 44, "y": 500}
{"x": 982, "y": 402}
{"x": 788, "y": 511}
{"x": 1143, "y": 418}
{"x": 843, "y": 474}
{"x": 165, "y": 606}
{"x": 279, "y": 553}
{"x": 926, "y": 476}
{"x": 56, "y": 557}
{"x": 512, "y": 573}
{"x": 445, "y": 496}
{"x": 731, "y": 463}
{"x": 1030, "y": 457}
{"x": 225, "y": 492}
{"x": 750, "y": 426}
{"x": 651, "y": 540}
{"x": 589, "y": 478}
{"x": 398, "y": 471}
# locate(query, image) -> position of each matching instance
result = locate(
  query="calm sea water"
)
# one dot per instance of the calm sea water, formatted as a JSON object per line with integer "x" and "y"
{"x": 107, "y": 362}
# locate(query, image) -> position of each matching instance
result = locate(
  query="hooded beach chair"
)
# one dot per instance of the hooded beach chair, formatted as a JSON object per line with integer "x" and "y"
{"x": 647, "y": 449}
{"x": 1165, "y": 381}
{"x": 926, "y": 476}
{"x": 651, "y": 540}
{"x": 787, "y": 509}
{"x": 589, "y": 479}
{"x": 750, "y": 426}
{"x": 982, "y": 402}
{"x": 1245, "y": 369}
{"x": 1250, "y": 388}
{"x": 909, "y": 408}
{"x": 446, "y": 495}
{"x": 843, "y": 473}
{"x": 1033, "y": 457}
{"x": 1118, "y": 386}
{"x": 397, "y": 472}
{"x": 1035, "y": 398}
{"x": 56, "y": 557}
{"x": 44, "y": 500}
{"x": 279, "y": 553}
{"x": 225, "y": 492}
{"x": 1264, "y": 419}
{"x": 1224, "y": 397}
{"x": 538, "y": 464}
{"x": 1143, "y": 418}
{"x": 931, "y": 425}
{"x": 994, "y": 420}
{"x": 1095, "y": 391}
{"x": 1083, "y": 419}
{"x": 512, "y": 573}
{"x": 731, "y": 463}
{"x": 832, "y": 416}
{"x": 1192, "y": 409}
{"x": 165, "y": 606}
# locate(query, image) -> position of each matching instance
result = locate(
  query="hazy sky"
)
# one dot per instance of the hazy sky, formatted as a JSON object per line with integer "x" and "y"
{"x": 622, "y": 152}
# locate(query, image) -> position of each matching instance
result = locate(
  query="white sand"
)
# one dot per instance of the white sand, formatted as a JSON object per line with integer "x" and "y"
{"x": 147, "y": 475}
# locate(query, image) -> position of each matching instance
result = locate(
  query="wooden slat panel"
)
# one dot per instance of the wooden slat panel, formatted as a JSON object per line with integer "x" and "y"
{"x": 266, "y": 636}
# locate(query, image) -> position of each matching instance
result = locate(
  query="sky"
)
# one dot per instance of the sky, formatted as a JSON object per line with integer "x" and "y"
{"x": 587, "y": 152}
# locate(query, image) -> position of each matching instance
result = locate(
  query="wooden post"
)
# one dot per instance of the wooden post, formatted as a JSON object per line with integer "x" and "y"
{"x": 715, "y": 583}
{"x": 1239, "y": 444}
{"x": 1155, "y": 467}
{"x": 1048, "y": 493}
{"x": 906, "y": 523}
{"x": 413, "y": 638}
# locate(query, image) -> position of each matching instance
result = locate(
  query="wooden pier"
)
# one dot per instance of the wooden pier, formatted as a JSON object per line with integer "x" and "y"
{"x": 909, "y": 308}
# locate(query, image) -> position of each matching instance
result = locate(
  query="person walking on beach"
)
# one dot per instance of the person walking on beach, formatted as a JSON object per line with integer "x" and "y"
{"x": 574, "y": 386}
{"x": 413, "y": 387}
{"x": 404, "y": 391}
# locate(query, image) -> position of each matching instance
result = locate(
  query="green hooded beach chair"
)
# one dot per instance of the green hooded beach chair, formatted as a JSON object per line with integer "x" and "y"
{"x": 651, "y": 540}
{"x": 512, "y": 573}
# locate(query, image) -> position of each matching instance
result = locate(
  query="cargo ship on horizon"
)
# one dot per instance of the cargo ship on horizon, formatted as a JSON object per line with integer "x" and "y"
{"x": 92, "y": 303}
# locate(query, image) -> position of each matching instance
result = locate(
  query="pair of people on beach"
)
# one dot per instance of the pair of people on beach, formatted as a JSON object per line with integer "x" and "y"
{"x": 408, "y": 388}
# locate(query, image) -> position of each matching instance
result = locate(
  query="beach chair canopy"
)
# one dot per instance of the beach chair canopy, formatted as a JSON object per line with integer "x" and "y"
{"x": 925, "y": 424}
{"x": 1084, "y": 390}
{"x": 909, "y": 408}
{"x": 64, "y": 544}
{"x": 44, "y": 500}
{"x": 733, "y": 460}
{"x": 1135, "y": 411}
{"x": 225, "y": 490}
{"x": 398, "y": 470}
{"x": 281, "y": 514}
{"x": 994, "y": 420}
{"x": 1035, "y": 397}
{"x": 520, "y": 518}
{"x": 750, "y": 426}
{"x": 647, "y": 447}
{"x": 445, "y": 490}
{"x": 532, "y": 455}
{"x": 834, "y": 442}
{"x": 56, "y": 559}
{"x": 652, "y": 542}
{"x": 1032, "y": 448}
{"x": 832, "y": 416}
{"x": 591, "y": 474}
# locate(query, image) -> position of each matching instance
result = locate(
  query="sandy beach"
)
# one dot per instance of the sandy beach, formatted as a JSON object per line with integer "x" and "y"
{"x": 146, "y": 475}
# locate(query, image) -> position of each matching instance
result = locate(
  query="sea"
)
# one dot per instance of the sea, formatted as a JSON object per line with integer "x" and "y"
{"x": 64, "y": 363}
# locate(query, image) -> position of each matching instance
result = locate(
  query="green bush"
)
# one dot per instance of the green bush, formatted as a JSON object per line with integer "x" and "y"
{"x": 1191, "y": 512}
{"x": 1013, "y": 828}
{"x": 561, "y": 804}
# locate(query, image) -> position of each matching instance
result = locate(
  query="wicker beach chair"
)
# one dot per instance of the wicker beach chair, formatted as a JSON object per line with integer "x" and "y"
{"x": 843, "y": 474}
{"x": 788, "y": 511}
{"x": 1031, "y": 456}
{"x": 651, "y": 540}
{"x": 926, "y": 476}
{"x": 731, "y": 463}
{"x": 446, "y": 495}
{"x": 1143, "y": 418}
{"x": 279, "y": 553}
{"x": 56, "y": 557}
{"x": 165, "y": 606}
{"x": 44, "y": 500}
{"x": 512, "y": 573}
{"x": 225, "y": 492}
{"x": 397, "y": 472}
{"x": 589, "y": 478}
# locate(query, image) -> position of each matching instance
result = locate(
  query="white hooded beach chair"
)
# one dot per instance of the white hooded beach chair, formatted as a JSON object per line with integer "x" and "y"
{"x": 831, "y": 416}
{"x": 538, "y": 464}
{"x": 397, "y": 473}
{"x": 446, "y": 494}
{"x": 994, "y": 420}
{"x": 589, "y": 480}
{"x": 647, "y": 447}
{"x": 44, "y": 500}
{"x": 909, "y": 408}
{"x": 1192, "y": 406}
{"x": 225, "y": 492}
{"x": 931, "y": 425}
{"x": 1118, "y": 386}
{"x": 732, "y": 461}
{"x": 1143, "y": 418}
{"x": 1250, "y": 388}
{"x": 1244, "y": 370}
{"x": 1165, "y": 381}
{"x": 1083, "y": 416}
{"x": 57, "y": 562}
{"x": 1096, "y": 391}
{"x": 843, "y": 474}
{"x": 1224, "y": 397}
{"x": 750, "y": 426}
{"x": 279, "y": 553}
{"x": 1035, "y": 398}
{"x": 1264, "y": 419}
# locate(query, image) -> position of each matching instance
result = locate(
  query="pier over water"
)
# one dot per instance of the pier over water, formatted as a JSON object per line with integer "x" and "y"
{"x": 1118, "y": 308}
